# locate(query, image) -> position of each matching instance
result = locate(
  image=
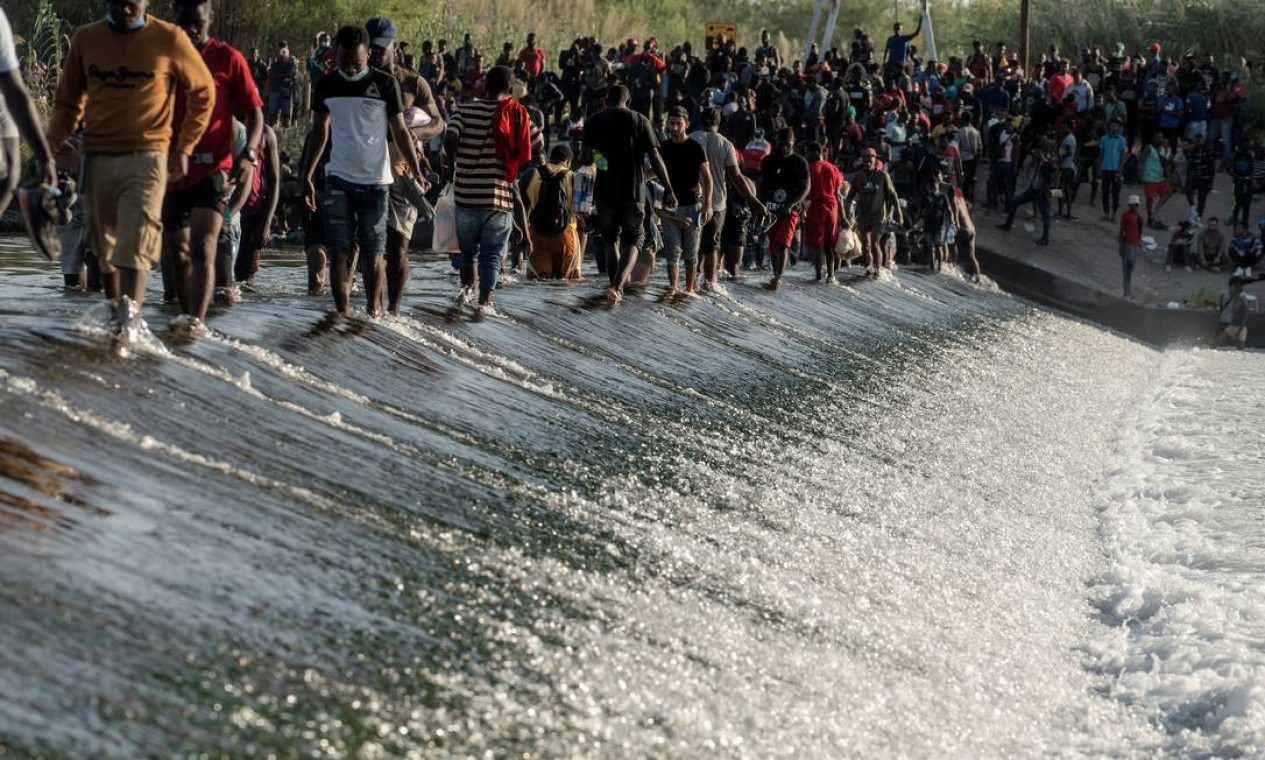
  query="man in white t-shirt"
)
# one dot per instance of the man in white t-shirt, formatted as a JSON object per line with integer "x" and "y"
{"x": 17, "y": 118}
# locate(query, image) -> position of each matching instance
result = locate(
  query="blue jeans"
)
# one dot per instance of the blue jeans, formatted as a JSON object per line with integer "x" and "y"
{"x": 280, "y": 104}
{"x": 1039, "y": 199}
{"x": 1223, "y": 128}
{"x": 1129, "y": 257}
{"x": 360, "y": 209}
{"x": 482, "y": 235}
{"x": 226, "y": 251}
{"x": 1001, "y": 183}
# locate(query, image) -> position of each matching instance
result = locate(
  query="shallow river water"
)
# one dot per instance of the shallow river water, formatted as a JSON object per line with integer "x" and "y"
{"x": 911, "y": 518}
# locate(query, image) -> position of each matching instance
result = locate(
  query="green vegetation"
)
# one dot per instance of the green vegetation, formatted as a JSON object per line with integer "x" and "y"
{"x": 1227, "y": 28}
{"x": 1204, "y": 298}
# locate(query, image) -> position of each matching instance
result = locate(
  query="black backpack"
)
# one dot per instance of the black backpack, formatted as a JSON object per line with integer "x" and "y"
{"x": 551, "y": 212}
{"x": 1129, "y": 172}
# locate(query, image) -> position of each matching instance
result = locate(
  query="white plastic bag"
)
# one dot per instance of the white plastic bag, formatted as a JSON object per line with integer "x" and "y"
{"x": 445, "y": 238}
{"x": 847, "y": 245}
{"x": 582, "y": 181}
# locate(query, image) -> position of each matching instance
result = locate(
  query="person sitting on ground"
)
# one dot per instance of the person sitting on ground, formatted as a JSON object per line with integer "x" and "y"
{"x": 1245, "y": 251}
{"x": 1179, "y": 248}
{"x": 1210, "y": 247}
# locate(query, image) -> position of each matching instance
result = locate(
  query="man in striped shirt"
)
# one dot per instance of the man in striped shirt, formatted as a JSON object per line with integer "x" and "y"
{"x": 484, "y": 196}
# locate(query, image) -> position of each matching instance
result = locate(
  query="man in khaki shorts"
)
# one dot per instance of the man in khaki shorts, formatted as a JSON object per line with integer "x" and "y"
{"x": 120, "y": 78}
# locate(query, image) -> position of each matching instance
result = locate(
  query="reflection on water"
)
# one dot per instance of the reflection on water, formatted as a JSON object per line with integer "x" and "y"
{"x": 829, "y": 521}
{"x": 35, "y": 490}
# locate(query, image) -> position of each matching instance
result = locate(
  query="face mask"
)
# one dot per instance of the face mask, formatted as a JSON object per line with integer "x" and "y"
{"x": 354, "y": 77}
{"x": 138, "y": 24}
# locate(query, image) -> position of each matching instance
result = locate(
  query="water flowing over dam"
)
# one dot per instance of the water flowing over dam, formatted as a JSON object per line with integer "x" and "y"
{"x": 915, "y": 517}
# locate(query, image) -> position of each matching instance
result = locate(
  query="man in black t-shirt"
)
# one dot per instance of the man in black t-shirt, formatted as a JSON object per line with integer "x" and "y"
{"x": 688, "y": 173}
{"x": 621, "y": 140}
{"x": 783, "y": 188}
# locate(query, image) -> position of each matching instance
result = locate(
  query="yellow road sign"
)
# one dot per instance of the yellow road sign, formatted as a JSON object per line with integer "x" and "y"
{"x": 724, "y": 29}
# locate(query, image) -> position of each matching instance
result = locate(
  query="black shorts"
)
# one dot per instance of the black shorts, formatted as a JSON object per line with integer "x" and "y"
{"x": 313, "y": 226}
{"x": 211, "y": 192}
{"x": 622, "y": 224}
{"x": 735, "y": 229}
{"x": 709, "y": 236}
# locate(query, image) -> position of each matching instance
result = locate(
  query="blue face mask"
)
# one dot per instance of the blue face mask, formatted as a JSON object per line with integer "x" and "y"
{"x": 138, "y": 24}
{"x": 355, "y": 77}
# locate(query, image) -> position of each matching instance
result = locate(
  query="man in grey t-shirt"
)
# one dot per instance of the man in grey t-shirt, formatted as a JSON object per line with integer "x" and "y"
{"x": 722, "y": 163}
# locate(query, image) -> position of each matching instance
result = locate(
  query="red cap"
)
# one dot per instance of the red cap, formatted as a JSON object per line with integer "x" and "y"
{"x": 1155, "y": 47}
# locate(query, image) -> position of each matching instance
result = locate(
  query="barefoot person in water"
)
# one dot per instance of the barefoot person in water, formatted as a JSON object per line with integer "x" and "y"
{"x": 357, "y": 111}
{"x": 621, "y": 141}
{"x": 120, "y": 77}
{"x": 193, "y": 210}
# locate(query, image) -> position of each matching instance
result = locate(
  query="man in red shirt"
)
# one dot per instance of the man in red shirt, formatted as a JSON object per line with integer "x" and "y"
{"x": 532, "y": 58}
{"x": 825, "y": 197}
{"x": 1058, "y": 84}
{"x": 193, "y": 209}
{"x": 1130, "y": 240}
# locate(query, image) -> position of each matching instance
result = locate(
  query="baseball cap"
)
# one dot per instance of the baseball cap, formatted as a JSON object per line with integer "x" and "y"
{"x": 1134, "y": 200}
{"x": 381, "y": 31}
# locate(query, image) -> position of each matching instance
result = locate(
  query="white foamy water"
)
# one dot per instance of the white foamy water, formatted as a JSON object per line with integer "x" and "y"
{"x": 1183, "y": 508}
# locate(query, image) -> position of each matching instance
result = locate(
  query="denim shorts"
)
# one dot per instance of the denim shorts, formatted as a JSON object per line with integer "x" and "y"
{"x": 358, "y": 211}
{"x": 280, "y": 102}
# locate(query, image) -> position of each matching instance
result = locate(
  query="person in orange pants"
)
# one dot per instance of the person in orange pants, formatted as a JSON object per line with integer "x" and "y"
{"x": 550, "y": 219}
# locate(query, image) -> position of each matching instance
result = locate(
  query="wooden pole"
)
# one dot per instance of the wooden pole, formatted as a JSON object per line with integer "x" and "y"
{"x": 1024, "y": 38}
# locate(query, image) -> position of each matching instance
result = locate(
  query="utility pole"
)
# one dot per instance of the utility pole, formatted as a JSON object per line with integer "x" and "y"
{"x": 1024, "y": 37}
{"x": 928, "y": 33}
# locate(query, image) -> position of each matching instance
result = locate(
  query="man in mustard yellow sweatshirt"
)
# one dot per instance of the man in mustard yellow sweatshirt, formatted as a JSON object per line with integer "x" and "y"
{"x": 120, "y": 78}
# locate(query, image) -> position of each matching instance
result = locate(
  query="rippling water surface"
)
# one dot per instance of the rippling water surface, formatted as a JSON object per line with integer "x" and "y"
{"x": 914, "y": 518}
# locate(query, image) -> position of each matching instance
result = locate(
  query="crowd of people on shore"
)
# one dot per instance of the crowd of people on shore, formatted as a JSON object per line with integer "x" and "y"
{"x": 721, "y": 159}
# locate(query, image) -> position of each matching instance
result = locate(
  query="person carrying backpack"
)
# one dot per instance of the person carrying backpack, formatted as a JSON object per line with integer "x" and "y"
{"x": 550, "y": 223}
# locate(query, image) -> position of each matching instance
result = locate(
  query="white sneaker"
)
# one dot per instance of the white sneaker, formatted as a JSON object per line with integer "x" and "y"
{"x": 1189, "y": 270}
{"x": 1167, "y": 268}
{"x": 485, "y": 310}
{"x": 464, "y": 296}
{"x": 1247, "y": 272}
{"x": 188, "y": 325}
{"x": 1238, "y": 272}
